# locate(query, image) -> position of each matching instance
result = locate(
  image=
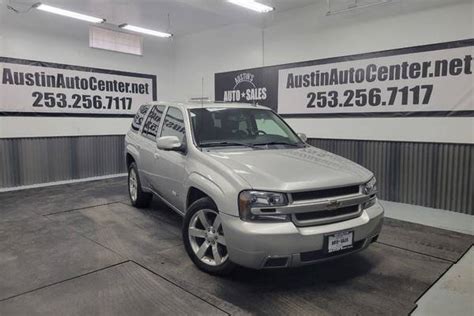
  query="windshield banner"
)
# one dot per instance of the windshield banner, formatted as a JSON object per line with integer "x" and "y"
{"x": 430, "y": 80}
{"x": 33, "y": 88}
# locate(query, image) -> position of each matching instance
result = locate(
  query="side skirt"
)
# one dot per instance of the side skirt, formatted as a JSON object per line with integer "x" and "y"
{"x": 166, "y": 202}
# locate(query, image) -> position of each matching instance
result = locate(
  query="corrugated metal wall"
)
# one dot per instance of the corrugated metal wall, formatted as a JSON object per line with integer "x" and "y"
{"x": 427, "y": 174}
{"x": 25, "y": 161}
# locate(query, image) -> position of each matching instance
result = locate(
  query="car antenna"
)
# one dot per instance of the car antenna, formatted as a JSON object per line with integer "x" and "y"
{"x": 202, "y": 93}
{"x": 202, "y": 109}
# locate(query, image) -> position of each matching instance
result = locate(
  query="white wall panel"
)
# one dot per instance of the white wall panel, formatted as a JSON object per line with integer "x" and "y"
{"x": 431, "y": 129}
{"x": 39, "y": 36}
{"x": 15, "y": 127}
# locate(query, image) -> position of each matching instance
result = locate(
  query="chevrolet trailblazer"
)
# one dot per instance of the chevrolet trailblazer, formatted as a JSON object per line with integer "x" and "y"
{"x": 252, "y": 192}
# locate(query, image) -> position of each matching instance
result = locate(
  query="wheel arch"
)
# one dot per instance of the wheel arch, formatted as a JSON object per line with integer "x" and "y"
{"x": 199, "y": 186}
{"x": 194, "y": 194}
{"x": 129, "y": 159}
{"x": 131, "y": 155}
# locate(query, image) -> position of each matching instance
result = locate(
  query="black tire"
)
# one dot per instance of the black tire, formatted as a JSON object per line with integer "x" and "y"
{"x": 202, "y": 204}
{"x": 142, "y": 199}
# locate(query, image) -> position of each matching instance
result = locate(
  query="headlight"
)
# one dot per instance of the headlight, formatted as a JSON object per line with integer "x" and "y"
{"x": 261, "y": 200}
{"x": 370, "y": 187}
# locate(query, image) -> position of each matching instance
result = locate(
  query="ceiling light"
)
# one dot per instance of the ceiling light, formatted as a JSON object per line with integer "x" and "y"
{"x": 252, "y": 5}
{"x": 71, "y": 14}
{"x": 355, "y": 6}
{"x": 144, "y": 31}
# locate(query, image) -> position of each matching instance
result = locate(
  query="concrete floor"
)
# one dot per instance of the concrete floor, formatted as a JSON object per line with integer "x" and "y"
{"x": 453, "y": 293}
{"x": 458, "y": 222}
{"x": 82, "y": 249}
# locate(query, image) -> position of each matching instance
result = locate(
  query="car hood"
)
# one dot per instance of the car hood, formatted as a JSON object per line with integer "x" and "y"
{"x": 291, "y": 169}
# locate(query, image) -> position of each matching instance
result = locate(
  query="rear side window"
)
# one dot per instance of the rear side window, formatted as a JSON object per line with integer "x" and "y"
{"x": 152, "y": 123}
{"x": 174, "y": 124}
{"x": 138, "y": 119}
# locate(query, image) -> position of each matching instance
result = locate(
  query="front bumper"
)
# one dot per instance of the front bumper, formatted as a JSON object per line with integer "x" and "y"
{"x": 265, "y": 245}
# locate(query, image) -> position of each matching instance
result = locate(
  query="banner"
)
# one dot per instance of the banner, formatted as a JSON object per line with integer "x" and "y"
{"x": 33, "y": 88}
{"x": 249, "y": 86}
{"x": 429, "y": 80}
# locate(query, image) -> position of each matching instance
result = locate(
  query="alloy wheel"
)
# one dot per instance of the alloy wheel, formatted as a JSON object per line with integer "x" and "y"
{"x": 207, "y": 237}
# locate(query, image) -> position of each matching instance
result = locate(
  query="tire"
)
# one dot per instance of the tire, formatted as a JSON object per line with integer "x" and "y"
{"x": 138, "y": 198}
{"x": 204, "y": 243}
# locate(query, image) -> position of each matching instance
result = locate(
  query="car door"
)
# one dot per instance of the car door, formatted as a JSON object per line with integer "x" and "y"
{"x": 148, "y": 149}
{"x": 172, "y": 164}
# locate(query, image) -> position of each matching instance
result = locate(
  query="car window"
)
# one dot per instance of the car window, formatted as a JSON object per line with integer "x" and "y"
{"x": 138, "y": 118}
{"x": 268, "y": 126}
{"x": 174, "y": 124}
{"x": 243, "y": 125}
{"x": 152, "y": 123}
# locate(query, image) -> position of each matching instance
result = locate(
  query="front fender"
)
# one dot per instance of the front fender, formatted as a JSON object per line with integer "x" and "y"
{"x": 220, "y": 194}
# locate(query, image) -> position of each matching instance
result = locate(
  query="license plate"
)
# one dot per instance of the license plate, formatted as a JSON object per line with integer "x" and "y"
{"x": 340, "y": 241}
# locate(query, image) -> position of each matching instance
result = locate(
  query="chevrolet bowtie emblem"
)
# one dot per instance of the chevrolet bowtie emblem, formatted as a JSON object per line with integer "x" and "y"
{"x": 333, "y": 204}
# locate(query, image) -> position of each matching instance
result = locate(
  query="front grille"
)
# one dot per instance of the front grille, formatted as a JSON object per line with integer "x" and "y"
{"x": 327, "y": 213}
{"x": 327, "y": 193}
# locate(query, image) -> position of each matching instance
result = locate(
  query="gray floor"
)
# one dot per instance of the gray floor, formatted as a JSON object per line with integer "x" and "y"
{"x": 458, "y": 222}
{"x": 456, "y": 287}
{"x": 82, "y": 249}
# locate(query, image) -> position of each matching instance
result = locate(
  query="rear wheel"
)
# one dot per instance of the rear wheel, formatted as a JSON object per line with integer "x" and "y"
{"x": 204, "y": 238}
{"x": 137, "y": 196}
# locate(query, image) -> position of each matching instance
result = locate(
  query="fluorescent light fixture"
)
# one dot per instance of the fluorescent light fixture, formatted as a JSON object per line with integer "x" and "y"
{"x": 253, "y": 5}
{"x": 356, "y": 6}
{"x": 71, "y": 14}
{"x": 144, "y": 31}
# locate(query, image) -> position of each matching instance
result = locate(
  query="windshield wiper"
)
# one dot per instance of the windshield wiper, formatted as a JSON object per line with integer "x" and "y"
{"x": 219, "y": 144}
{"x": 278, "y": 143}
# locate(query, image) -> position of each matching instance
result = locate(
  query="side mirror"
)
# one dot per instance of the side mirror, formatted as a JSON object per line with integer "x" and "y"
{"x": 303, "y": 137}
{"x": 171, "y": 143}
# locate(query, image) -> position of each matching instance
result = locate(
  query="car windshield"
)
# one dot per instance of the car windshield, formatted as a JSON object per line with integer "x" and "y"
{"x": 216, "y": 127}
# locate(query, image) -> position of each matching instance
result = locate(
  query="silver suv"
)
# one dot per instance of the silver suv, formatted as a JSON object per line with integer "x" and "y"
{"x": 250, "y": 189}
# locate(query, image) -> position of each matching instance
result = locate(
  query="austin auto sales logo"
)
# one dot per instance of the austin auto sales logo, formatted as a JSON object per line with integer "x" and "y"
{"x": 245, "y": 90}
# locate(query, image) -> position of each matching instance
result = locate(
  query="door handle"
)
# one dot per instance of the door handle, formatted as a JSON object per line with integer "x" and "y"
{"x": 157, "y": 156}
{"x": 138, "y": 147}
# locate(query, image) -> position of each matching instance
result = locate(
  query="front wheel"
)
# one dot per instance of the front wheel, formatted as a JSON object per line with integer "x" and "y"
{"x": 204, "y": 238}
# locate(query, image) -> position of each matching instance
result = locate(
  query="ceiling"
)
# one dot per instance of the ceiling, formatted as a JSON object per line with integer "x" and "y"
{"x": 186, "y": 16}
